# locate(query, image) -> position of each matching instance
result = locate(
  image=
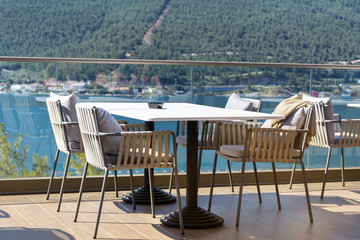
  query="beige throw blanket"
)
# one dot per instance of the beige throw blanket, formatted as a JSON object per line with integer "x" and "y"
{"x": 288, "y": 107}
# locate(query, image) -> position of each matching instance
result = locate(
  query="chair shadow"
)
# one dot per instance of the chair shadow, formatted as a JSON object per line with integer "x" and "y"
{"x": 166, "y": 232}
{"x": 330, "y": 204}
{"x": 34, "y": 233}
{"x": 160, "y": 209}
{"x": 4, "y": 214}
{"x": 125, "y": 207}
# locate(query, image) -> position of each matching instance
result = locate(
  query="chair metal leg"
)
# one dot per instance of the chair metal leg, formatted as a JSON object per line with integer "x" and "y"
{"x": 52, "y": 174}
{"x": 276, "y": 185}
{"x": 115, "y": 184}
{"x": 342, "y": 167}
{"x": 307, "y": 192}
{"x": 212, "y": 182}
{"x": 81, "y": 191}
{"x": 172, "y": 170}
{"x": 325, "y": 174}
{"x": 151, "y": 194}
{"x": 199, "y": 165}
{"x": 257, "y": 182}
{"x": 181, "y": 220}
{"x": 63, "y": 181}
{"x": 132, "y": 189}
{"x": 240, "y": 193}
{"x": 292, "y": 176}
{"x": 171, "y": 180}
{"x": 230, "y": 176}
{"x": 101, "y": 202}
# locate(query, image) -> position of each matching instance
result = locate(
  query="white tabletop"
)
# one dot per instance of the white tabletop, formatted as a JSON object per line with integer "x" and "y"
{"x": 178, "y": 112}
{"x": 354, "y": 105}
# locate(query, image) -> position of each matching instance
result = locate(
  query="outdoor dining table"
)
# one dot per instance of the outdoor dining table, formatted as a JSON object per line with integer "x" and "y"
{"x": 194, "y": 216}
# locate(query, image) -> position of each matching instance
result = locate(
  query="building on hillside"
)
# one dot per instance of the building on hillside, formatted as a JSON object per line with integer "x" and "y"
{"x": 74, "y": 86}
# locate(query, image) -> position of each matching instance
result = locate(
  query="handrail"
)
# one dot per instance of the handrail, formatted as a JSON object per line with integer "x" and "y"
{"x": 175, "y": 62}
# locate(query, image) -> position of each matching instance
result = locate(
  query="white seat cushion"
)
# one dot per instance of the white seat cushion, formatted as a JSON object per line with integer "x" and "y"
{"x": 182, "y": 140}
{"x": 232, "y": 150}
{"x": 238, "y": 103}
{"x": 237, "y": 151}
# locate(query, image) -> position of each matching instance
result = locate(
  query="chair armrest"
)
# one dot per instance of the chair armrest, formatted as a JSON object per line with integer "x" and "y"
{"x": 332, "y": 121}
{"x": 70, "y": 123}
{"x": 337, "y": 116}
{"x": 103, "y": 134}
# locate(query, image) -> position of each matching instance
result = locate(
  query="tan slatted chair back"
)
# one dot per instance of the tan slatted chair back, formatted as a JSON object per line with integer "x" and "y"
{"x": 180, "y": 128}
{"x": 234, "y": 133}
{"x": 277, "y": 145}
{"x": 57, "y": 120}
{"x": 145, "y": 150}
{"x": 349, "y": 133}
{"x": 210, "y": 135}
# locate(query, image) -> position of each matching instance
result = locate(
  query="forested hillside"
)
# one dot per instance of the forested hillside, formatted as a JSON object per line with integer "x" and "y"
{"x": 260, "y": 30}
{"x": 74, "y": 28}
{"x": 300, "y": 31}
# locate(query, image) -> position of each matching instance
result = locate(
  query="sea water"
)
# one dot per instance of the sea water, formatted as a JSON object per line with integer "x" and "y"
{"x": 27, "y": 114}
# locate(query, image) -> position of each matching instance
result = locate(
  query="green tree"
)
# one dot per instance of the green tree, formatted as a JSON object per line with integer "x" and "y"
{"x": 77, "y": 165}
{"x": 13, "y": 156}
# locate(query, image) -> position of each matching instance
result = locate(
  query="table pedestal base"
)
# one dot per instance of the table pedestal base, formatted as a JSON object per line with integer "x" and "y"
{"x": 142, "y": 196}
{"x": 193, "y": 218}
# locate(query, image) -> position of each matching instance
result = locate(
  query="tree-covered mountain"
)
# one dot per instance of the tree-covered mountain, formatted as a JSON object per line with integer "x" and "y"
{"x": 300, "y": 31}
{"x": 74, "y": 28}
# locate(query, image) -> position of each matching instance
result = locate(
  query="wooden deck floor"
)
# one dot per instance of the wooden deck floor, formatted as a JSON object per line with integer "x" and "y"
{"x": 335, "y": 217}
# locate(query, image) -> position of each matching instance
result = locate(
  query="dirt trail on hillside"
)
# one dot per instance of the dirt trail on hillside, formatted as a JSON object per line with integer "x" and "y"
{"x": 148, "y": 34}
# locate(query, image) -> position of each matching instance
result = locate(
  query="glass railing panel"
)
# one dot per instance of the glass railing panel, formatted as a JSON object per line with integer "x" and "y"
{"x": 23, "y": 109}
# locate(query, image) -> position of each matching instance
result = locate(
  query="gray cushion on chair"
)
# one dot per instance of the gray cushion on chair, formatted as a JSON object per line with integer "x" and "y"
{"x": 74, "y": 146}
{"x": 295, "y": 121}
{"x": 238, "y": 103}
{"x": 69, "y": 114}
{"x": 107, "y": 123}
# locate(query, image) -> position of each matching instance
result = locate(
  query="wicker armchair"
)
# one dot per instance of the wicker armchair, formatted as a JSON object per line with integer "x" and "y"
{"x": 145, "y": 149}
{"x": 60, "y": 129}
{"x": 69, "y": 146}
{"x": 209, "y": 137}
{"x": 263, "y": 145}
{"x": 346, "y": 134}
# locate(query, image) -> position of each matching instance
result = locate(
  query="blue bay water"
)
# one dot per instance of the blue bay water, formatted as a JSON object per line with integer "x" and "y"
{"x": 27, "y": 114}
